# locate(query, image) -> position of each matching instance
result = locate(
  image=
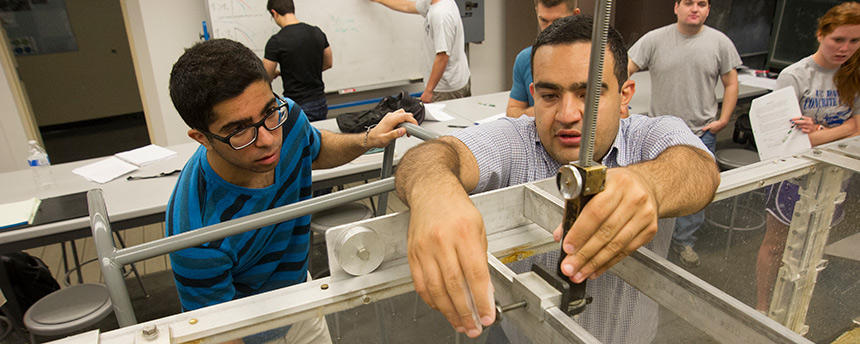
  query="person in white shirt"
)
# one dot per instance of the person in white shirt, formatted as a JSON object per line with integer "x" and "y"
{"x": 446, "y": 72}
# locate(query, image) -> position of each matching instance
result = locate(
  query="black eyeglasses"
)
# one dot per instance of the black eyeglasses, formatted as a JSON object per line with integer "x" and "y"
{"x": 245, "y": 136}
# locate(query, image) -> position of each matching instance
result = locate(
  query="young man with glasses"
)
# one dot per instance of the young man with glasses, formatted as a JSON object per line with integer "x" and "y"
{"x": 256, "y": 153}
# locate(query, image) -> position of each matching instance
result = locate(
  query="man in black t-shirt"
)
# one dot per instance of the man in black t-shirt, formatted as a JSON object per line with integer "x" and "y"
{"x": 303, "y": 52}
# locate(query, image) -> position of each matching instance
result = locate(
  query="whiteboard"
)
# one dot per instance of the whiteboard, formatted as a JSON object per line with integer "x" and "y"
{"x": 372, "y": 46}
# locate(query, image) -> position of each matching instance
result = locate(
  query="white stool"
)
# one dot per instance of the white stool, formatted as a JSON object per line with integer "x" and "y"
{"x": 729, "y": 159}
{"x": 68, "y": 310}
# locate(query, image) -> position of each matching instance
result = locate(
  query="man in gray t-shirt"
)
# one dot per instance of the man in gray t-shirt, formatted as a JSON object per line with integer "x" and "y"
{"x": 446, "y": 69}
{"x": 686, "y": 60}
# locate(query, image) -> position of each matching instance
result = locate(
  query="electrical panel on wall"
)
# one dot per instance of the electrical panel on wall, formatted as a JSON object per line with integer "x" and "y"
{"x": 472, "y": 13}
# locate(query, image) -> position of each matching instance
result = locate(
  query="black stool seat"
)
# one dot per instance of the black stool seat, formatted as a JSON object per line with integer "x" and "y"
{"x": 734, "y": 158}
{"x": 754, "y": 218}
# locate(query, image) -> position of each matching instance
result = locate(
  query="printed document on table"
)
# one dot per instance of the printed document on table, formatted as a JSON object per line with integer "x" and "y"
{"x": 756, "y": 81}
{"x": 146, "y": 155}
{"x": 105, "y": 170}
{"x": 435, "y": 112}
{"x": 770, "y": 117}
{"x": 491, "y": 118}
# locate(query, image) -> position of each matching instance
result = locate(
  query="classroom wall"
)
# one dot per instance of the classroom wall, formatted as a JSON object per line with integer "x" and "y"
{"x": 155, "y": 47}
{"x": 518, "y": 29}
{"x": 486, "y": 60}
{"x": 159, "y": 31}
{"x": 632, "y": 23}
{"x": 16, "y": 126}
{"x": 13, "y": 138}
{"x": 490, "y": 61}
{"x": 93, "y": 82}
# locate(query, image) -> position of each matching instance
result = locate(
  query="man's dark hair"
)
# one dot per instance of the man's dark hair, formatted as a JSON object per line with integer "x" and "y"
{"x": 571, "y": 4}
{"x": 211, "y": 72}
{"x": 282, "y": 7}
{"x": 576, "y": 29}
{"x": 679, "y": 1}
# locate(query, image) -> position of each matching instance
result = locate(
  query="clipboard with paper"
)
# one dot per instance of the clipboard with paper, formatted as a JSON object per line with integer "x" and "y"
{"x": 770, "y": 117}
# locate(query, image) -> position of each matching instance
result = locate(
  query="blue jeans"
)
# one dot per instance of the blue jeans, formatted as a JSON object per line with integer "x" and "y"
{"x": 316, "y": 110}
{"x": 686, "y": 226}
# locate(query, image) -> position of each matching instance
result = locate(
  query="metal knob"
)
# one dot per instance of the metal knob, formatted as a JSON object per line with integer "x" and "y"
{"x": 359, "y": 250}
{"x": 569, "y": 182}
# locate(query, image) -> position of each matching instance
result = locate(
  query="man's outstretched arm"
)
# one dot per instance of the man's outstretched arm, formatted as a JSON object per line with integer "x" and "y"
{"x": 338, "y": 149}
{"x": 405, "y": 6}
{"x": 446, "y": 243}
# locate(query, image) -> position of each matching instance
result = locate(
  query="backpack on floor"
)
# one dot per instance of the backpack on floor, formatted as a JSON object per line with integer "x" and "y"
{"x": 30, "y": 278}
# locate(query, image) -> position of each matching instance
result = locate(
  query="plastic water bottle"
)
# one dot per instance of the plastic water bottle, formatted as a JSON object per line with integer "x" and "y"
{"x": 41, "y": 166}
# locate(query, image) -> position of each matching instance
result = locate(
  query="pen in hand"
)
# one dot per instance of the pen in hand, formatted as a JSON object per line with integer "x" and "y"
{"x": 790, "y": 130}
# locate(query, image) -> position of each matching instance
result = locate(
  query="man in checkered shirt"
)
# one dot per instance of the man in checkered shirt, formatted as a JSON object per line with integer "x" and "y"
{"x": 657, "y": 169}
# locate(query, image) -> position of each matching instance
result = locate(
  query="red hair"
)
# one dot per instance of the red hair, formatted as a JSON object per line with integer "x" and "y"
{"x": 847, "y": 78}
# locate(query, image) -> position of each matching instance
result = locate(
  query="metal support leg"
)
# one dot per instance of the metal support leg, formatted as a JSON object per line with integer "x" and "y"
{"x": 114, "y": 279}
{"x": 415, "y": 308}
{"x": 383, "y": 333}
{"x": 387, "y": 171}
{"x": 77, "y": 262}
{"x": 65, "y": 258}
{"x": 731, "y": 228}
{"x": 804, "y": 247}
{"x": 133, "y": 267}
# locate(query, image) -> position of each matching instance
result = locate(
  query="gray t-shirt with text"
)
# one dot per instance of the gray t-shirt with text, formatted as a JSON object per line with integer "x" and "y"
{"x": 816, "y": 92}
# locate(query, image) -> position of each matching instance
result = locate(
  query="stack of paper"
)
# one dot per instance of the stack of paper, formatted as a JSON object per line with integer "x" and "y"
{"x": 124, "y": 162}
{"x": 18, "y": 213}
{"x": 105, "y": 170}
{"x": 756, "y": 81}
{"x": 146, "y": 155}
{"x": 435, "y": 112}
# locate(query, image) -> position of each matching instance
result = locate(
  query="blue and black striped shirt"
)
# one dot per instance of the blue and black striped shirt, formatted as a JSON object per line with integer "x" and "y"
{"x": 256, "y": 261}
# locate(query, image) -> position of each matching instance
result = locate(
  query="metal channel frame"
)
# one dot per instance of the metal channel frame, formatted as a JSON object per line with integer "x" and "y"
{"x": 820, "y": 171}
{"x": 727, "y": 319}
{"x": 803, "y": 257}
{"x": 530, "y": 208}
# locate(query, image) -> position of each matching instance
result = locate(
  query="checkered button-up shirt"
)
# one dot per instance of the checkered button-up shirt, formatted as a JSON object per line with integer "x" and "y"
{"x": 509, "y": 152}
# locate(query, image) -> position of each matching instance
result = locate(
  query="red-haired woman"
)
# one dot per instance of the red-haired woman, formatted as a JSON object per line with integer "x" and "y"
{"x": 827, "y": 85}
